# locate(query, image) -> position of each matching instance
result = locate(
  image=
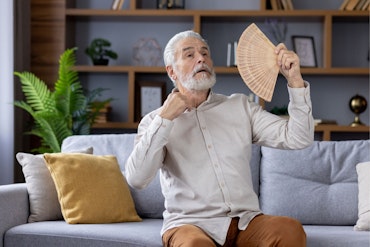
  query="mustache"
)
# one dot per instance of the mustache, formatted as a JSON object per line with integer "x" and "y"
{"x": 202, "y": 67}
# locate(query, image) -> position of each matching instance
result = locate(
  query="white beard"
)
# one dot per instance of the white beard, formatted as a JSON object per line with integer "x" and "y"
{"x": 198, "y": 84}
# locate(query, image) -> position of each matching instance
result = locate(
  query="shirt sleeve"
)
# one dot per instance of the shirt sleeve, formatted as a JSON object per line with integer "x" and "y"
{"x": 296, "y": 132}
{"x": 147, "y": 156}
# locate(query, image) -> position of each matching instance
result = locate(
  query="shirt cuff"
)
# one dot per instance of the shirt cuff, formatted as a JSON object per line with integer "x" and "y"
{"x": 301, "y": 94}
{"x": 162, "y": 126}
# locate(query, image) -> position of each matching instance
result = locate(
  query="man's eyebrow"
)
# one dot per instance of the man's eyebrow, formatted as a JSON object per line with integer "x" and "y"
{"x": 188, "y": 48}
{"x": 192, "y": 48}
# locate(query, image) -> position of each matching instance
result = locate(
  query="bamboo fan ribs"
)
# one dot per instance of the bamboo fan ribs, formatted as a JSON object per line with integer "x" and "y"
{"x": 257, "y": 62}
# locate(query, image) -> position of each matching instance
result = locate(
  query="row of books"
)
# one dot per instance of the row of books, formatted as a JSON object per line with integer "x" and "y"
{"x": 355, "y": 5}
{"x": 117, "y": 4}
{"x": 281, "y": 4}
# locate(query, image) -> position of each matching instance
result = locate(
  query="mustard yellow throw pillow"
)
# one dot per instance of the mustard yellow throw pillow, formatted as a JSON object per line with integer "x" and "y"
{"x": 91, "y": 189}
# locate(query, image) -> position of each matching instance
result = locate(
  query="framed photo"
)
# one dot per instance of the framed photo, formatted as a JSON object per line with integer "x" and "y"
{"x": 148, "y": 97}
{"x": 304, "y": 46}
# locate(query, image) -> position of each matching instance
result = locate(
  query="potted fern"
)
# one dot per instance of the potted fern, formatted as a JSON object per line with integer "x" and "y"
{"x": 99, "y": 53}
{"x": 60, "y": 113}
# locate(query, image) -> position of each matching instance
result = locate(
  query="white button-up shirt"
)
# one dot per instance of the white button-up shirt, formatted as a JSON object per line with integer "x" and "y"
{"x": 204, "y": 154}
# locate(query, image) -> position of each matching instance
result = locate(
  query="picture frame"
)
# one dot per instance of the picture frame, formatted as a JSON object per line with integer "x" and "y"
{"x": 149, "y": 95}
{"x": 304, "y": 46}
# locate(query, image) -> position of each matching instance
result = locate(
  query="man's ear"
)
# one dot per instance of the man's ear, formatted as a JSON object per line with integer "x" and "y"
{"x": 170, "y": 72}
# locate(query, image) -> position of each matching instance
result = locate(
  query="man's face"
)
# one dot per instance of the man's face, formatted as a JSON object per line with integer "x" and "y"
{"x": 194, "y": 66}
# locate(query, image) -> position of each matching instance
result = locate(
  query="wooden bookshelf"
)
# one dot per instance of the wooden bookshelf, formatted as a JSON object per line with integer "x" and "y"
{"x": 64, "y": 36}
{"x": 328, "y": 129}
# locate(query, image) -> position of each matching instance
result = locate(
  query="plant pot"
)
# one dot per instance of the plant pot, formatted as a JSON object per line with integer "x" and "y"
{"x": 101, "y": 61}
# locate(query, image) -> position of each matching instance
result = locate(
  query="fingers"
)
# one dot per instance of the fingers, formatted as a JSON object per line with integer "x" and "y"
{"x": 286, "y": 58}
{"x": 288, "y": 62}
{"x": 175, "y": 105}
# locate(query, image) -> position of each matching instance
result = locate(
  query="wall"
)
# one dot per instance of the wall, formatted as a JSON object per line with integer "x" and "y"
{"x": 6, "y": 92}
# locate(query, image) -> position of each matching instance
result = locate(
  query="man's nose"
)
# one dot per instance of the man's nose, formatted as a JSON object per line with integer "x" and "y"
{"x": 200, "y": 58}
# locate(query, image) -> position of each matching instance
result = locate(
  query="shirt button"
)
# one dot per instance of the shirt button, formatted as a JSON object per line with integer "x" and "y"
{"x": 209, "y": 146}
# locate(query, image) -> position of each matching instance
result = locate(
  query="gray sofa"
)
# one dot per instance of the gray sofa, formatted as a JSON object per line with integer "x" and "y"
{"x": 316, "y": 185}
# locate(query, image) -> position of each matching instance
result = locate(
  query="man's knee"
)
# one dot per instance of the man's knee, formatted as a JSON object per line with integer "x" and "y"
{"x": 187, "y": 236}
{"x": 290, "y": 231}
{"x": 267, "y": 230}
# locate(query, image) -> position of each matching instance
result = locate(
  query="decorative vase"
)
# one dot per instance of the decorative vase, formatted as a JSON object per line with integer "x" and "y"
{"x": 358, "y": 105}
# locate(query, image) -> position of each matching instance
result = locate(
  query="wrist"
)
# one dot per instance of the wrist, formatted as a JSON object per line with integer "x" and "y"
{"x": 296, "y": 83}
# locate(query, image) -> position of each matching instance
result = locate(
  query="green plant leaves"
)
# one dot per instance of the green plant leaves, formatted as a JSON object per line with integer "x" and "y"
{"x": 98, "y": 50}
{"x": 37, "y": 94}
{"x": 60, "y": 113}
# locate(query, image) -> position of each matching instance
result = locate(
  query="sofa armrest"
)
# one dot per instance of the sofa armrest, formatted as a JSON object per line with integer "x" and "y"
{"x": 14, "y": 207}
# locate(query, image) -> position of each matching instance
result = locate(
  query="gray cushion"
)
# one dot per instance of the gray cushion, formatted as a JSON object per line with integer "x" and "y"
{"x": 255, "y": 167}
{"x": 43, "y": 197}
{"x": 149, "y": 202}
{"x": 336, "y": 236}
{"x": 316, "y": 185}
{"x": 59, "y": 233}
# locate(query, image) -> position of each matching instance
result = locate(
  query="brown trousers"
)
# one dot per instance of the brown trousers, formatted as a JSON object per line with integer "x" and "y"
{"x": 262, "y": 231}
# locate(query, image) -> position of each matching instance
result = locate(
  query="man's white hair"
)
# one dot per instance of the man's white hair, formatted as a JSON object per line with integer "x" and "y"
{"x": 170, "y": 49}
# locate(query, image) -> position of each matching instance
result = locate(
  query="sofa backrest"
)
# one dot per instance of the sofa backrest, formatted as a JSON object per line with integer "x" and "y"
{"x": 149, "y": 202}
{"x": 316, "y": 185}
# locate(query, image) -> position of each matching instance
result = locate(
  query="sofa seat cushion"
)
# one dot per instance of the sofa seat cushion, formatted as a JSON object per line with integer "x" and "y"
{"x": 316, "y": 185}
{"x": 335, "y": 236}
{"x": 59, "y": 233}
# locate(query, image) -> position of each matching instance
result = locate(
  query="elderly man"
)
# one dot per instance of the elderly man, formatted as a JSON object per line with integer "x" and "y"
{"x": 201, "y": 143}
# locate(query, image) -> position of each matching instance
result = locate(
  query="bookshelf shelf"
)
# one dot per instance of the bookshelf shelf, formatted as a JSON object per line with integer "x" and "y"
{"x": 328, "y": 129}
{"x": 65, "y": 23}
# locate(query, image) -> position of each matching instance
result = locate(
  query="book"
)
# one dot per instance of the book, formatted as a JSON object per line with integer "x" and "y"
{"x": 360, "y": 4}
{"x": 290, "y": 5}
{"x": 279, "y": 4}
{"x": 344, "y": 4}
{"x": 115, "y": 4}
{"x": 366, "y": 6}
{"x": 120, "y": 4}
{"x": 285, "y": 4}
{"x": 274, "y": 4}
{"x": 351, "y": 4}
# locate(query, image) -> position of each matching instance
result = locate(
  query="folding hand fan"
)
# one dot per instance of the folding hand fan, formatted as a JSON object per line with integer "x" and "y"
{"x": 257, "y": 62}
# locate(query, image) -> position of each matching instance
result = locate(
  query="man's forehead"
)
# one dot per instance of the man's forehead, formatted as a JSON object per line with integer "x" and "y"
{"x": 191, "y": 43}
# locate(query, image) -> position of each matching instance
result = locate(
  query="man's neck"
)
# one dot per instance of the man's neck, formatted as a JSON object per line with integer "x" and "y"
{"x": 196, "y": 97}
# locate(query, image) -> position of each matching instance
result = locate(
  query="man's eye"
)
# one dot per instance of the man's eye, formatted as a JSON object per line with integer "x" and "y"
{"x": 189, "y": 55}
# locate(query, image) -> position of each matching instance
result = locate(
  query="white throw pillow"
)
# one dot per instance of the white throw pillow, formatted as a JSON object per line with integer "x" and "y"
{"x": 43, "y": 197}
{"x": 363, "y": 172}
